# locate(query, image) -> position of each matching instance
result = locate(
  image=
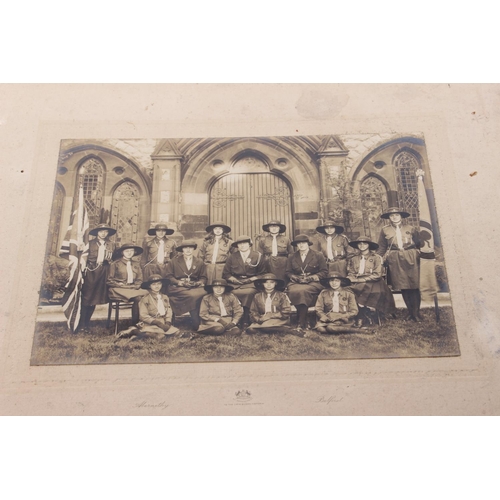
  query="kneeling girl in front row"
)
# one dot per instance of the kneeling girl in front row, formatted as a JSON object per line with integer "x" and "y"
{"x": 220, "y": 311}
{"x": 336, "y": 308}
{"x": 155, "y": 313}
{"x": 271, "y": 308}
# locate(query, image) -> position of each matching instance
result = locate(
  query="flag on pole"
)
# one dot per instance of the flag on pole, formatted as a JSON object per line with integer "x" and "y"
{"x": 75, "y": 247}
{"x": 428, "y": 281}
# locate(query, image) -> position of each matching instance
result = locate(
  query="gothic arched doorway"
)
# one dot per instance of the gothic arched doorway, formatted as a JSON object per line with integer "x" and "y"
{"x": 247, "y": 201}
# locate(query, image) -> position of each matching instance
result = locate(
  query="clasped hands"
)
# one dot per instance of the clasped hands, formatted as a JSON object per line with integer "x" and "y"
{"x": 301, "y": 280}
{"x": 160, "y": 324}
{"x": 226, "y": 323}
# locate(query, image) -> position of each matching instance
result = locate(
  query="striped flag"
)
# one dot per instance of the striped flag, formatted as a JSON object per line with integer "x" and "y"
{"x": 75, "y": 247}
{"x": 428, "y": 282}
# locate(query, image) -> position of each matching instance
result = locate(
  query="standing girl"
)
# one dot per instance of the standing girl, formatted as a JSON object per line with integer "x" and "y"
{"x": 95, "y": 289}
{"x": 215, "y": 249}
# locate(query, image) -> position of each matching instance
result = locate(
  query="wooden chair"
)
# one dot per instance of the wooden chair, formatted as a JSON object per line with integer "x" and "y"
{"x": 116, "y": 305}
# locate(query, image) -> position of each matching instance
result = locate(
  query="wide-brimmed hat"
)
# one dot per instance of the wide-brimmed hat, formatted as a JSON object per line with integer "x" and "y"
{"x": 242, "y": 239}
{"x": 102, "y": 227}
{"x": 394, "y": 210}
{"x": 187, "y": 243}
{"x": 118, "y": 253}
{"x": 154, "y": 278}
{"x": 259, "y": 284}
{"x": 301, "y": 238}
{"x": 343, "y": 280}
{"x": 218, "y": 282}
{"x": 364, "y": 239}
{"x": 160, "y": 227}
{"x": 225, "y": 228}
{"x": 330, "y": 223}
{"x": 265, "y": 227}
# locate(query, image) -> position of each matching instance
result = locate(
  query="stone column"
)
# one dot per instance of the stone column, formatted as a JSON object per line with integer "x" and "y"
{"x": 166, "y": 185}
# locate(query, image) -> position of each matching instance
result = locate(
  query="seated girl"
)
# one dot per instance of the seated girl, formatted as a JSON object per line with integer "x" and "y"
{"x": 220, "y": 311}
{"x": 371, "y": 291}
{"x": 270, "y": 309}
{"x": 125, "y": 278}
{"x": 336, "y": 308}
{"x": 155, "y": 313}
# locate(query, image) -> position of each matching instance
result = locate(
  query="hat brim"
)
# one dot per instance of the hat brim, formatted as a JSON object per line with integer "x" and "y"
{"x": 118, "y": 253}
{"x": 152, "y": 232}
{"x": 371, "y": 244}
{"x": 110, "y": 231}
{"x": 236, "y": 243}
{"x": 210, "y": 288}
{"x": 282, "y": 227}
{"x": 146, "y": 284}
{"x": 338, "y": 229}
{"x": 181, "y": 246}
{"x": 225, "y": 229}
{"x": 404, "y": 215}
{"x": 343, "y": 281}
{"x": 295, "y": 242}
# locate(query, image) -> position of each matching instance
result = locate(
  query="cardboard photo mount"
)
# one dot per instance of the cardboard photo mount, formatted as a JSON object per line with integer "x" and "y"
{"x": 457, "y": 385}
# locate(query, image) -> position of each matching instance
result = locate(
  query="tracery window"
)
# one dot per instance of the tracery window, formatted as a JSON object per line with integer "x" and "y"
{"x": 406, "y": 165}
{"x": 373, "y": 203}
{"x": 125, "y": 212}
{"x": 92, "y": 179}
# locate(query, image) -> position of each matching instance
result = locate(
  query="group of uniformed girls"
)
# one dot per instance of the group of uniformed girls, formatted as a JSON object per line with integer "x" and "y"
{"x": 232, "y": 286}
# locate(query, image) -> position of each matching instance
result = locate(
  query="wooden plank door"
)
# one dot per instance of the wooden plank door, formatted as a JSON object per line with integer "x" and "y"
{"x": 247, "y": 201}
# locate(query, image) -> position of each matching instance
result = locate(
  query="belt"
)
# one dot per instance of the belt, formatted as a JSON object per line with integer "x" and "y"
{"x": 335, "y": 260}
{"x": 411, "y": 247}
{"x": 244, "y": 276}
{"x": 430, "y": 255}
{"x": 223, "y": 262}
{"x": 279, "y": 255}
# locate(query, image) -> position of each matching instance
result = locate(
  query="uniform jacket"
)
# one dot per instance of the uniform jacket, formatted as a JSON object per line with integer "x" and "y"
{"x": 148, "y": 310}
{"x": 210, "y": 307}
{"x": 284, "y": 246}
{"x": 388, "y": 240}
{"x": 151, "y": 247}
{"x": 340, "y": 246}
{"x": 255, "y": 265}
{"x": 280, "y": 306}
{"x": 94, "y": 252}
{"x": 207, "y": 251}
{"x": 177, "y": 271}
{"x": 373, "y": 267}
{"x": 347, "y": 306}
{"x": 313, "y": 266}
{"x": 118, "y": 274}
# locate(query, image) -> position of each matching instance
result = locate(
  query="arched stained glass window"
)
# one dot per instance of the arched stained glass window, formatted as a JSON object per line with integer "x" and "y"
{"x": 125, "y": 212}
{"x": 406, "y": 164}
{"x": 92, "y": 178}
{"x": 373, "y": 203}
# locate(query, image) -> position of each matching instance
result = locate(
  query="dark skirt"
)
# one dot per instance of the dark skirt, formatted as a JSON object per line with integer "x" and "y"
{"x": 277, "y": 266}
{"x": 245, "y": 294}
{"x": 214, "y": 272}
{"x": 94, "y": 289}
{"x": 304, "y": 294}
{"x": 403, "y": 269}
{"x": 374, "y": 294}
{"x": 339, "y": 266}
{"x": 125, "y": 294}
{"x": 154, "y": 268}
{"x": 184, "y": 300}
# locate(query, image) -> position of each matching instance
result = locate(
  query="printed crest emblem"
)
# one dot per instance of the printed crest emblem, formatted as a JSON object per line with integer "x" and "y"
{"x": 243, "y": 395}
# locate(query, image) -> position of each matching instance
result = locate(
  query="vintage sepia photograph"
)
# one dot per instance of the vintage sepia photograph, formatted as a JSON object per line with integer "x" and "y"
{"x": 243, "y": 249}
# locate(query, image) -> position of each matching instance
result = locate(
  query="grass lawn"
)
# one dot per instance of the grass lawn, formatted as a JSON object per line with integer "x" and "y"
{"x": 55, "y": 345}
